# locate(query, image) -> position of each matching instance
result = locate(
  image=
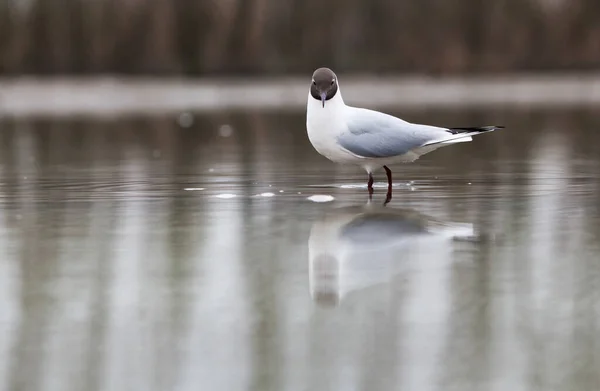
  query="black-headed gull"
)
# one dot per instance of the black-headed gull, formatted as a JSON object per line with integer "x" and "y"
{"x": 368, "y": 138}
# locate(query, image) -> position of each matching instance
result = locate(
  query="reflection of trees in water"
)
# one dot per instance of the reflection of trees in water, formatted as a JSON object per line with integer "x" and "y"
{"x": 257, "y": 36}
{"x": 62, "y": 243}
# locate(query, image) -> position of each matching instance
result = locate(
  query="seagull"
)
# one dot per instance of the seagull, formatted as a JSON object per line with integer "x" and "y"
{"x": 368, "y": 138}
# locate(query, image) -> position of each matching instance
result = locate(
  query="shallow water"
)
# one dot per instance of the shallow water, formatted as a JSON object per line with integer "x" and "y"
{"x": 138, "y": 254}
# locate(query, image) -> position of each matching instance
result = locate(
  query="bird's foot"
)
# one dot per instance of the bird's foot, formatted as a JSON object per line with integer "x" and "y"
{"x": 388, "y": 196}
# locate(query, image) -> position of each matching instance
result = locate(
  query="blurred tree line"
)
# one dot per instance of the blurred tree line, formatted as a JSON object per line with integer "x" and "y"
{"x": 195, "y": 37}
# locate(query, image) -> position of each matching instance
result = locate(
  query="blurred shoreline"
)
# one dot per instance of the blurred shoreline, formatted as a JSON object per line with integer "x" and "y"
{"x": 117, "y": 96}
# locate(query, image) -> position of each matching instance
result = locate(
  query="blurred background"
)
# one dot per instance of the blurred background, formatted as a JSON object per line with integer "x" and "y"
{"x": 165, "y": 224}
{"x": 265, "y": 37}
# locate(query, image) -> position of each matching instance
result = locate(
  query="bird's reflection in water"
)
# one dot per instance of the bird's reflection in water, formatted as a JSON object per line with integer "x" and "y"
{"x": 352, "y": 248}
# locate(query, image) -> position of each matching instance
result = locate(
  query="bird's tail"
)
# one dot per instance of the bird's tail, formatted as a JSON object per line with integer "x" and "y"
{"x": 460, "y": 135}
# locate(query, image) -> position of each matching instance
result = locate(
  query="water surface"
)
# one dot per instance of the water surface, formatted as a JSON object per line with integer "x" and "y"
{"x": 167, "y": 254}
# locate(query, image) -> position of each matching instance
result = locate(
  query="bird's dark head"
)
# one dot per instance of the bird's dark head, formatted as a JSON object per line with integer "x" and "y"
{"x": 324, "y": 85}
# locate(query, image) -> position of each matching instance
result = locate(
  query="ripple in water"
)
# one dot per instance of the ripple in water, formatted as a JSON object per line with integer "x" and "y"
{"x": 321, "y": 198}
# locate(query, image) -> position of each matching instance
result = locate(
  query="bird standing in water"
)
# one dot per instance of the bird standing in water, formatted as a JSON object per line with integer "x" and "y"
{"x": 368, "y": 138}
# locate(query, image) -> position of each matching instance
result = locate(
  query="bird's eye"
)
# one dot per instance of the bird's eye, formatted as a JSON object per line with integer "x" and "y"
{"x": 333, "y": 82}
{"x": 314, "y": 83}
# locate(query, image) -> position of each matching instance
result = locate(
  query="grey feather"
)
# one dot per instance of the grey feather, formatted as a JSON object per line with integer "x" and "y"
{"x": 372, "y": 134}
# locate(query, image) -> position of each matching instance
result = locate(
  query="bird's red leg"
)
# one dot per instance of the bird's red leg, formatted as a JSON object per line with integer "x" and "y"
{"x": 388, "y": 196}
{"x": 370, "y": 185}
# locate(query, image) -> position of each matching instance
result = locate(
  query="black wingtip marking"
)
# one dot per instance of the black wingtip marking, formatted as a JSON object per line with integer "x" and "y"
{"x": 477, "y": 129}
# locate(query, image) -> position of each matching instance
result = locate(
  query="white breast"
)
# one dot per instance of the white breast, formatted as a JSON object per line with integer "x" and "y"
{"x": 325, "y": 124}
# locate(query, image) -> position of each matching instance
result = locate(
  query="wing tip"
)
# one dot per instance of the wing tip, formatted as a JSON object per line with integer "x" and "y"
{"x": 475, "y": 129}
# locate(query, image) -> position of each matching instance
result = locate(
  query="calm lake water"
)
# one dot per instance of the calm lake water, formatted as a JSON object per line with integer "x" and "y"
{"x": 190, "y": 254}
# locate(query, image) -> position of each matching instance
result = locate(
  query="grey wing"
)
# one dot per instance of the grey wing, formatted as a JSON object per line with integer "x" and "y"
{"x": 372, "y": 134}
